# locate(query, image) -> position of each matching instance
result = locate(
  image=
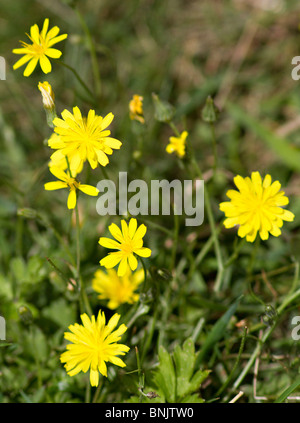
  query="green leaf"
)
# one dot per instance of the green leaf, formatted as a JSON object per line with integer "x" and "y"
{"x": 164, "y": 376}
{"x": 174, "y": 379}
{"x": 184, "y": 361}
{"x": 217, "y": 332}
{"x": 60, "y": 312}
{"x": 287, "y": 153}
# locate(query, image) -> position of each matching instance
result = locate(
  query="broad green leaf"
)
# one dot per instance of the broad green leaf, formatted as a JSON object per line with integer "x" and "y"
{"x": 60, "y": 312}
{"x": 184, "y": 361}
{"x": 164, "y": 376}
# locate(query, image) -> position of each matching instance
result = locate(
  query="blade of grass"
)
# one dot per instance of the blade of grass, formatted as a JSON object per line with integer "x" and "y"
{"x": 217, "y": 331}
{"x": 280, "y": 146}
{"x": 282, "y": 397}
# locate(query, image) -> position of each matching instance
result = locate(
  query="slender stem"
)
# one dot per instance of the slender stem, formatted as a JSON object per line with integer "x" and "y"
{"x": 140, "y": 374}
{"x": 175, "y": 240}
{"x": 235, "y": 253}
{"x": 95, "y": 67}
{"x": 84, "y": 302}
{"x": 214, "y": 142}
{"x": 212, "y": 225}
{"x": 241, "y": 349}
{"x": 253, "y": 257}
{"x": 145, "y": 275}
{"x": 256, "y": 352}
{"x": 80, "y": 80}
{"x": 98, "y": 391}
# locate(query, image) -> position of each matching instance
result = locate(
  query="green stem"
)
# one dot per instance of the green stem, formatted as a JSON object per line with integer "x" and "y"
{"x": 214, "y": 141}
{"x": 175, "y": 241}
{"x": 253, "y": 257}
{"x": 91, "y": 45}
{"x": 140, "y": 374}
{"x": 98, "y": 391}
{"x": 241, "y": 349}
{"x": 83, "y": 302}
{"x": 256, "y": 352}
{"x": 235, "y": 253}
{"x": 80, "y": 80}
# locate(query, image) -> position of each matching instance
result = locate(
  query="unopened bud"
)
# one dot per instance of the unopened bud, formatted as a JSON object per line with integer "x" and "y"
{"x": 48, "y": 101}
{"x": 210, "y": 112}
{"x": 163, "y": 275}
{"x": 25, "y": 315}
{"x": 163, "y": 111}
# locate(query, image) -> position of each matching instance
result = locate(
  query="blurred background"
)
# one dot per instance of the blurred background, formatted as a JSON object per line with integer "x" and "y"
{"x": 237, "y": 51}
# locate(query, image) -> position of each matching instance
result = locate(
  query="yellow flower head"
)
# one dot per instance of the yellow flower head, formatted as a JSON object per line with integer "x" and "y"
{"x": 47, "y": 95}
{"x": 41, "y": 47}
{"x": 71, "y": 183}
{"x": 58, "y": 159}
{"x": 83, "y": 138}
{"x": 118, "y": 290}
{"x": 136, "y": 108}
{"x": 129, "y": 242}
{"x": 92, "y": 345}
{"x": 256, "y": 207}
{"x": 177, "y": 144}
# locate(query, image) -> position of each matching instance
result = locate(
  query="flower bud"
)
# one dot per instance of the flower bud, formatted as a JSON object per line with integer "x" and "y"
{"x": 25, "y": 315}
{"x": 210, "y": 112}
{"x": 163, "y": 111}
{"x": 48, "y": 101}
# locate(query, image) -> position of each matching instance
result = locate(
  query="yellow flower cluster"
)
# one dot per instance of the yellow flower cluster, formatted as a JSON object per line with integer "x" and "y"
{"x": 78, "y": 139}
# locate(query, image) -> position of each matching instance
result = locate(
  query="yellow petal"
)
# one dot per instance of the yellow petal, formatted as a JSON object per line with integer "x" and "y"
{"x": 51, "y": 186}
{"x": 88, "y": 189}
{"x": 72, "y": 199}
{"x": 45, "y": 64}
{"x": 31, "y": 66}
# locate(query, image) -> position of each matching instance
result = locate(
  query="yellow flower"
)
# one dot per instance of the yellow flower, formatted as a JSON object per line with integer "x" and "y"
{"x": 71, "y": 183}
{"x": 256, "y": 207}
{"x": 177, "y": 144}
{"x": 136, "y": 108}
{"x": 40, "y": 48}
{"x": 118, "y": 290}
{"x": 92, "y": 345}
{"x": 47, "y": 95}
{"x": 84, "y": 139}
{"x": 58, "y": 159}
{"x": 129, "y": 242}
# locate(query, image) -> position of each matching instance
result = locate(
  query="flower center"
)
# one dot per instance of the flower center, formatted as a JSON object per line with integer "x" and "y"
{"x": 127, "y": 247}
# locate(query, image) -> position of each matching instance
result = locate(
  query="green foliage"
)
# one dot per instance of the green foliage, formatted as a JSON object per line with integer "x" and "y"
{"x": 188, "y": 53}
{"x": 176, "y": 379}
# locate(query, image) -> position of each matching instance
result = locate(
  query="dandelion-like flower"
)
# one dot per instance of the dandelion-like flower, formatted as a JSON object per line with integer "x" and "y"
{"x": 84, "y": 138}
{"x": 177, "y": 144}
{"x": 129, "y": 242}
{"x": 40, "y": 49}
{"x": 136, "y": 108}
{"x": 256, "y": 207}
{"x": 93, "y": 344}
{"x": 60, "y": 160}
{"x": 67, "y": 181}
{"x": 118, "y": 290}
